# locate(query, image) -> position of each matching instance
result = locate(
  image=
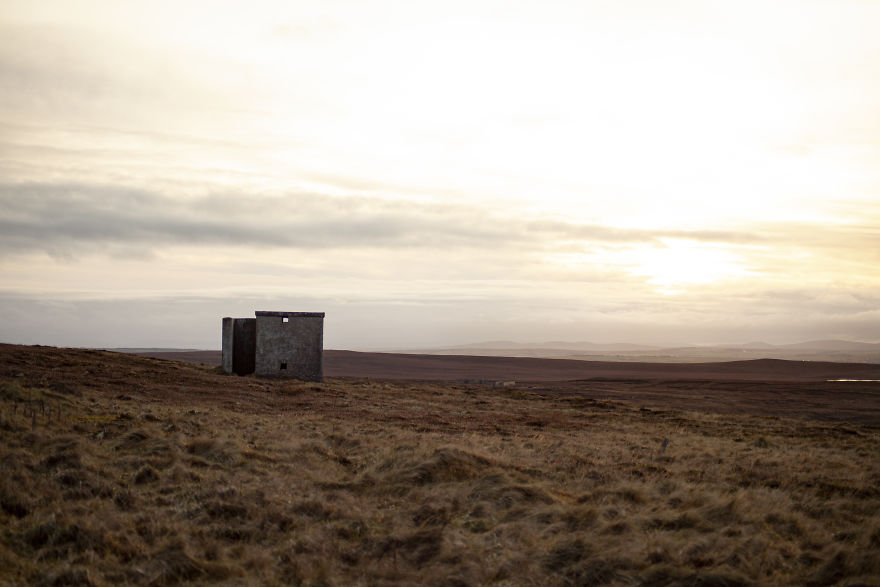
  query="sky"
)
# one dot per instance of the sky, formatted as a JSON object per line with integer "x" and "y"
{"x": 440, "y": 173}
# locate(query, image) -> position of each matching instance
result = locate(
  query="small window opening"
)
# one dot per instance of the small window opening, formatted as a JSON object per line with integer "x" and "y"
{"x": 283, "y": 365}
{"x": 285, "y": 319}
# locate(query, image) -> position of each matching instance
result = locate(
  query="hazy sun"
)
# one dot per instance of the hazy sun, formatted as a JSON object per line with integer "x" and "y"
{"x": 678, "y": 264}
{"x": 670, "y": 267}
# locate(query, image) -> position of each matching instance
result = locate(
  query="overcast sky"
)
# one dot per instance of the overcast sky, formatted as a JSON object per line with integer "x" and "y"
{"x": 438, "y": 173}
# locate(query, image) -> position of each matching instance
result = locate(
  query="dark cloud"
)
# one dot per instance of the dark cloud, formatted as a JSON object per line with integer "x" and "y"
{"x": 67, "y": 219}
{"x": 39, "y": 216}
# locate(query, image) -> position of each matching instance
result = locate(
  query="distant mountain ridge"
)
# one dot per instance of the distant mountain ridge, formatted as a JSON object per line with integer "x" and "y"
{"x": 141, "y": 350}
{"x": 580, "y": 345}
{"x": 842, "y": 345}
{"x": 842, "y": 351}
{"x": 831, "y": 344}
{"x": 815, "y": 350}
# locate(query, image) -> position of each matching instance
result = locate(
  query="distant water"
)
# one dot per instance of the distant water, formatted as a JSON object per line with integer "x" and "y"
{"x": 858, "y": 380}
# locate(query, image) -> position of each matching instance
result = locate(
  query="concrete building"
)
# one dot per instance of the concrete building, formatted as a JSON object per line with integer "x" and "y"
{"x": 239, "y": 345}
{"x": 275, "y": 344}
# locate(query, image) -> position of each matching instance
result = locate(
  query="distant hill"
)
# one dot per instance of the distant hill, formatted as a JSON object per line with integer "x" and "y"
{"x": 338, "y": 363}
{"x": 818, "y": 350}
{"x": 554, "y": 345}
{"x": 840, "y": 351}
{"x": 141, "y": 350}
{"x": 837, "y": 345}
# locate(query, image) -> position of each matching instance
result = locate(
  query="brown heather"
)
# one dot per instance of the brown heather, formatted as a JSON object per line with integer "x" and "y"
{"x": 120, "y": 469}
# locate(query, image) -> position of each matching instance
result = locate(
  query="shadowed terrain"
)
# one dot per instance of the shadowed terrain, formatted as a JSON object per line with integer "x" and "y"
{"x": 125, "y": 469}
{"x": 454, "y": 367}
{"x": 795, "y": 389}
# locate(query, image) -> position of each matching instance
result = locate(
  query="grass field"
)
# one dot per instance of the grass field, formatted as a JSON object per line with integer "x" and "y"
{"x": 123, "y": 469}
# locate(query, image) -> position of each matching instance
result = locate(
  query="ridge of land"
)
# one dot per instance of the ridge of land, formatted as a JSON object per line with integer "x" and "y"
{"x": 342, "y": 363}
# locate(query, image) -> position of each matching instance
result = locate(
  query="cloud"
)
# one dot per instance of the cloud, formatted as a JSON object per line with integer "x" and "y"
{"x": 354, "y": 322}
{"x": 79, "y": 218}
{"x": 610, "y": 234}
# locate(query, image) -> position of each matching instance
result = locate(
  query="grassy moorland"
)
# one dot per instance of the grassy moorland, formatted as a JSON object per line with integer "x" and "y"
{"x": 121, "y": 469}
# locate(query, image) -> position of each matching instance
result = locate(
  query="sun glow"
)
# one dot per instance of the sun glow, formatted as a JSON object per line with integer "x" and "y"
{"x": 671, "y": 267}
{"x": 679, "y": 264}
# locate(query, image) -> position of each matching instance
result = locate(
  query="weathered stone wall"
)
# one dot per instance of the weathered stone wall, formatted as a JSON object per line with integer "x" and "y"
{"x": 227, "y": 343}
{"x": 239, "y": 345}
{"x": 290, "y": 344}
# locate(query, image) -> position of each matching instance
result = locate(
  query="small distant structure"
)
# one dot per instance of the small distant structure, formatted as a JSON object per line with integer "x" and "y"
{"x": 492, "y": 382}
{"x": 275, "y": 344}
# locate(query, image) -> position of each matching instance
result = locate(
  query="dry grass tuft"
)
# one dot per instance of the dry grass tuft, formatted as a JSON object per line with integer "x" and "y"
{"x": 212, "y": 451}
{"x": 172, "y": 564}
{"x": 444, "y": 465}
{"x": 67, "y": 576}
